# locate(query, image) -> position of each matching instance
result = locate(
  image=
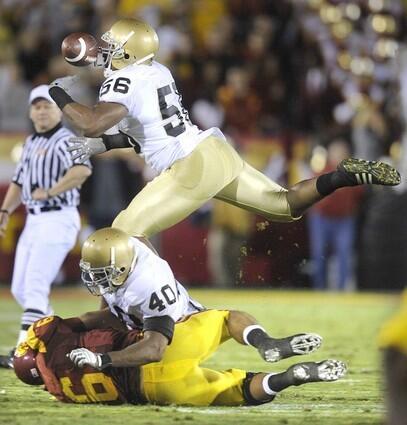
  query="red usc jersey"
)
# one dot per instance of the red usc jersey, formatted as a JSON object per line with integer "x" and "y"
{"x": 54, "y": 338}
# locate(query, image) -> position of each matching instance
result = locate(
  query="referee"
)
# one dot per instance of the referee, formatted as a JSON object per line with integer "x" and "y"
{"x": 47, "y": 181}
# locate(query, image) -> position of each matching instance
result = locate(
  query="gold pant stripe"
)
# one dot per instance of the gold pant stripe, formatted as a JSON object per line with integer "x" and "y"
{"x": 213, "y": 169}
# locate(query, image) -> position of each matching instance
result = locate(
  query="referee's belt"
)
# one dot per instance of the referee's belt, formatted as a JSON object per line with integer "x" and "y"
{"x": 39, "y": 210}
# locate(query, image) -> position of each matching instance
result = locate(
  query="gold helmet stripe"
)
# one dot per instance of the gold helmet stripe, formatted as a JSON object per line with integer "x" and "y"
{"x": 127, "y": 38}
{"x": 144, "y": 59}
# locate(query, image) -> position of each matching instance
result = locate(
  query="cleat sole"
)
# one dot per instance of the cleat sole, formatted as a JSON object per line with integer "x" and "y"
{"x": 371, "y": 172}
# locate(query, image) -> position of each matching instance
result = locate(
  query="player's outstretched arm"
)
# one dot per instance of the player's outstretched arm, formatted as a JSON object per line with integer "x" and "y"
{"x": 94, "y": 121}
{"x": 150, "y": 349}
{"x": 91, "y": 121}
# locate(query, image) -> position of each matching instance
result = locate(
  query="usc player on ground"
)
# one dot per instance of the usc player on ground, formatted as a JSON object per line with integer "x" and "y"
{"x": 72, "y": 364}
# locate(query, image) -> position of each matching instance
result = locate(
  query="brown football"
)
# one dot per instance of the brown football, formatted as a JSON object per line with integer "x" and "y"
{"x": 79, "y": 48}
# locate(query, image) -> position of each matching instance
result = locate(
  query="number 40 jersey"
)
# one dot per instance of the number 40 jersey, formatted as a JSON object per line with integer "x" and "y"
{"x": 157, "y": 119}
{"x": 150, "y": 290}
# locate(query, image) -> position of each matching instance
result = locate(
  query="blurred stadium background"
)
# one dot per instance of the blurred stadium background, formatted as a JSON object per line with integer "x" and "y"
{"x": 284, "y": 79}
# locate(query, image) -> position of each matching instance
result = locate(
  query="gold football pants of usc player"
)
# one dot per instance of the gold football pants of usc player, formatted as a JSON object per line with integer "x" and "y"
{"x": 212, "y": 170}
{"x": 178, "y": 378}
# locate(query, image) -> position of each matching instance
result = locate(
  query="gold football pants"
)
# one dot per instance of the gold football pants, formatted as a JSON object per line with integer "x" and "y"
{"x": 178, "y": 377}
{"x": 212, "y": 170}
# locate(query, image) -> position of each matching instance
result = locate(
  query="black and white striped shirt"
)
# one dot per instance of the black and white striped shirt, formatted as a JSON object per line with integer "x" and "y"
{"x": 43, "y": 162}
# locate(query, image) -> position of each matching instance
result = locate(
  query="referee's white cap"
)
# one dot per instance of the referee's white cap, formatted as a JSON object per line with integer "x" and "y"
{"x": 40, "y": 92}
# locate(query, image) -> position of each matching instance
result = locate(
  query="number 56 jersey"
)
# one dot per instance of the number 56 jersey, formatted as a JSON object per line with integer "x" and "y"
{"x": 150, "y": 290}
{"x": 157, "y": 119}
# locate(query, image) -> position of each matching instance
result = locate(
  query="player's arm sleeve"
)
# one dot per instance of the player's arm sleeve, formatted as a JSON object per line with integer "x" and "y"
{"x": 162, "y": 324}
{"x": 119, "y": 141}
{"x": 161, "y": 311}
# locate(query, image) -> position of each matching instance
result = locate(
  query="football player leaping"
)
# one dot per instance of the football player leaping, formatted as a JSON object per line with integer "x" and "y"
{"x": 140, "y": 96}
{"x": 141, "y": 291}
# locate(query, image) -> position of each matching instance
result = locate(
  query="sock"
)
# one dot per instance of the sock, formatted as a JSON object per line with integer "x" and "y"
{"x": 328, "y": 183}
{"x": 254, "y": 335}
{"x": 266, "y": 385}
{"x": 278, "y": 381}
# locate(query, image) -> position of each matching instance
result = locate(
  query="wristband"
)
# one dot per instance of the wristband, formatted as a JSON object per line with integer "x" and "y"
{"x": 106, "y": 361}
{"x": 3, "y": 210}
{"x": 120, "y": 140}
{"x": 60, "y": 97}
{"x": 116, "y": 141}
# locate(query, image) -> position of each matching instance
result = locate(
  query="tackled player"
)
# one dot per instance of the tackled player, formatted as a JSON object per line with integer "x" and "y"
{"x": 53, "y": 344}
{"x": 140, "y": 96}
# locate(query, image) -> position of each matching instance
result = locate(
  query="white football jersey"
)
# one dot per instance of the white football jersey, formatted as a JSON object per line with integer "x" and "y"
{"x": 150, "y": 290}
{"x": 157, "y": 120}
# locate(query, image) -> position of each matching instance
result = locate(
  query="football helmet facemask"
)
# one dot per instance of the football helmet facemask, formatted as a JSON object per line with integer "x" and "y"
{"x": 25, "y": 365}
{"x": 128, "y": 41}
{"x": 108, "y": 256}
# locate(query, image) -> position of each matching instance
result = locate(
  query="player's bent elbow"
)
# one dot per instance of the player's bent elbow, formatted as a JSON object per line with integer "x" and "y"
{"x": 154, "y": 356}
{"x": 157, "y": 344}
{"x": 156, "y": 352}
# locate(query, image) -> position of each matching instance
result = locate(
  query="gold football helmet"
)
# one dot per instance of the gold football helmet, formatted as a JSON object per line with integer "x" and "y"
{"x": 129, "y": 41}
{"x": 108, "y": 256}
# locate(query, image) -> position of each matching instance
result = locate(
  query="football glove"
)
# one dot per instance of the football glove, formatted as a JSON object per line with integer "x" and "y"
{"x": 83, "y": 148}
{"x": 82, "y": 357}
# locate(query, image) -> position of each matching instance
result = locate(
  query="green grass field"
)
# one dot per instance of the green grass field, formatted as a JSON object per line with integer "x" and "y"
{"x": 348, "y": 322}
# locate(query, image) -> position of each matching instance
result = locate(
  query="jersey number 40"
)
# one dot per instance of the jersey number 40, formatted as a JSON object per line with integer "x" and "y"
{"x": 157, "y": 301}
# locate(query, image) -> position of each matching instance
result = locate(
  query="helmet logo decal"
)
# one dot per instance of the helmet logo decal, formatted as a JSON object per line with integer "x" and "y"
{"x": 34, "y": 372}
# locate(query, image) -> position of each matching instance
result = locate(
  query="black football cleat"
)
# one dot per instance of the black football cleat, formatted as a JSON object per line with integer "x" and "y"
{"x": 361, "y": 171}
{"x": 325, "y": 371}
{"x": 273, "y": 350}
{"x": 6, "y": 361}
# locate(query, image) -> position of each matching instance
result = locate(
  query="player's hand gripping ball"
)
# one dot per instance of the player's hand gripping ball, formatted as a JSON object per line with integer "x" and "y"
{"x": 79, "y": 49}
